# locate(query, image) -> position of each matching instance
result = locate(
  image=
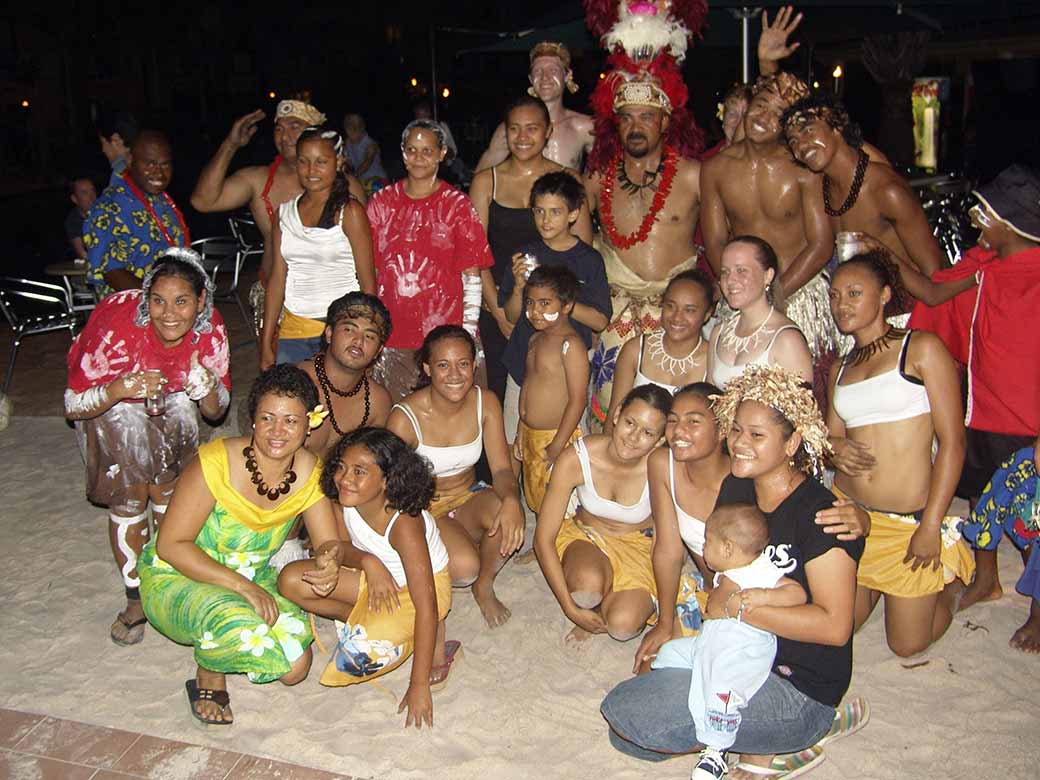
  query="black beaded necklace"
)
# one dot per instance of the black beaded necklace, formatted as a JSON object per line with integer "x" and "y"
{"x": 262, "y": 488}
{"x": 857, "y": 184}
{"x": 327, "y": 386}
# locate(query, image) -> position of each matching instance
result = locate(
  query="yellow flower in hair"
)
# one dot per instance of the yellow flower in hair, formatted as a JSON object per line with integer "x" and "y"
{"x": 316, "y": 416}
{"x": 720, "y": 110}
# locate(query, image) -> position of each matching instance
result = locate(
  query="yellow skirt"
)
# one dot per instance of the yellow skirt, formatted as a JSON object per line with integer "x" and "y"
{"x": 882, "y": 569}
{"x": 631, "y": 563}
{"x": 442, "y": 505}
{"x": 629, "y": 555}
{"x": 536, "y": 470}
{"x": 374, "y": 643}
{"x": 295, "y": 327}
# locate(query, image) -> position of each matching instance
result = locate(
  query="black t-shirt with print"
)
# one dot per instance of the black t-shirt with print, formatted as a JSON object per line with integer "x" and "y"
{"x": 821, "y": 672}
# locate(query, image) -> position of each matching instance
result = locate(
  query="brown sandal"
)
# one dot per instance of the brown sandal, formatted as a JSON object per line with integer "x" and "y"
{"x": 197, "y": 694}
{"x": 439, "y": 673}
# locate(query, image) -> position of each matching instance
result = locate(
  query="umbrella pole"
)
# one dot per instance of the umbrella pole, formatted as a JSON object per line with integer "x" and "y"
{"x": 433, "y": 71}
{"x": 745, "y": 14}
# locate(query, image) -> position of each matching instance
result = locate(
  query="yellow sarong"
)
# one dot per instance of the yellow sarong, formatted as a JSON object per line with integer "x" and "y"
{"x": 637, "y": 309}
{"x": 882, "y": 569}
{"x": 374, "y": 643}
{"x": 536, "y": 470}
{"x": 442, "y": 505}
{"x": 295, "y": 327}
{"x": 629, "y": 555}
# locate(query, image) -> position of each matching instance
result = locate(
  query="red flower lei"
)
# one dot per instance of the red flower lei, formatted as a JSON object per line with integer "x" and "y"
{"x": 671, "y": 165}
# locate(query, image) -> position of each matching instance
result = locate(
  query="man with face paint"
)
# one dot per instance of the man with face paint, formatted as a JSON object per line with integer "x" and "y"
{"x": 859, "y": 194}
{"x": 263, "y": 187}
{"x": 648, "y": 200}
{"x": 134, "y": 219}
{"x": 992, "y": 330}
{"x": 358, "y": 324}
{"x": 571, "y": 132}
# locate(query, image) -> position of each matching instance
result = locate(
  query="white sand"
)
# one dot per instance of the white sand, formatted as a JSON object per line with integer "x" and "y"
{"x": 519, "y": 705}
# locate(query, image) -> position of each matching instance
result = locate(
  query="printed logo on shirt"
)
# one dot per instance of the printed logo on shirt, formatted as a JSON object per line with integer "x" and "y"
{"x": 723, "y": 721}
{"x": 780, "y": 555}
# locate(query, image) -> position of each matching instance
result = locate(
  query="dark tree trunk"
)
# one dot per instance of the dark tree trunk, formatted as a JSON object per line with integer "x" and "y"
{"x": 894, "y": 60}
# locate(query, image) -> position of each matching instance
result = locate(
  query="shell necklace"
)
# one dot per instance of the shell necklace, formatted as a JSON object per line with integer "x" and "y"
{"x": 672, "y": 366}
{"x": 729, "y": 337}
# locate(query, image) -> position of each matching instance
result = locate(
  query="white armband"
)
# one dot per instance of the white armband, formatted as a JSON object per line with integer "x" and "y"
{"x": 88, "y": 401}
{"x": 471, "y": 297}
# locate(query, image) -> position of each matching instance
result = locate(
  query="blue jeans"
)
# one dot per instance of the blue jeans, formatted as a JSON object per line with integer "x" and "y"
{"x": 650, "y": 719}
{"x": 297, "y": 350}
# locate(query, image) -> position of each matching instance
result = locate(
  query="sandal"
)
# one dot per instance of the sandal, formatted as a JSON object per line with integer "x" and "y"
{"x": 440, "y": 672}
{"x": 789, "y": 765}
{"x": 848, "y": 719}
{"x": 130, "y": 626}
{"x": 197, "y": 694}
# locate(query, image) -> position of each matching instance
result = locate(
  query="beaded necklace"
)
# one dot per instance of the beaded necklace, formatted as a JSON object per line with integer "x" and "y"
{"x": 326, "y": 386}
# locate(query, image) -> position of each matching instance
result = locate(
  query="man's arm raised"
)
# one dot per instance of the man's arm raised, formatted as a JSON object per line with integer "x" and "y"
{"x": 497, "y": 151}
{"x": 215, "y": 190}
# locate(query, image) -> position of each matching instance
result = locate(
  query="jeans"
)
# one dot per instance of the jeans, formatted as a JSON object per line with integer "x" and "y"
{"x": 650, "y": 719}
{"x": 297, "y": 350}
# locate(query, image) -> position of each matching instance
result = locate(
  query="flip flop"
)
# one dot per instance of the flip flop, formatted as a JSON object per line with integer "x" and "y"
{"x": 452, "y": 652}
{"x": 130, "y": 626}
{"x": 849, "y": 718}
{"x": 788, "y": 766}
{"x": 197, "y": 694}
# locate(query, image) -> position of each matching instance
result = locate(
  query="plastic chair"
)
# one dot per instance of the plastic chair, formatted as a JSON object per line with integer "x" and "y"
{"x": 221, "y": 254}
{"x": 31, "y": 308}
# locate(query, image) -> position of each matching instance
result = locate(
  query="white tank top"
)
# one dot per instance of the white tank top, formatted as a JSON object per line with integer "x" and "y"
{"x": 452, "y": 460}
{"x": 592, "y": 502}
{"x": 690, "y": 528}
{"x": 722, "y": 372}
{"x": 367, "y": 540}
{"x": 643, "y": 379}
{"x": 320, "y": 261}
{"x": 888, "y": 397}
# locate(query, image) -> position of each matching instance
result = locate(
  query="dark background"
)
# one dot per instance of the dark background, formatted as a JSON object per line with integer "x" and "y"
{"x": 192, "y": 69}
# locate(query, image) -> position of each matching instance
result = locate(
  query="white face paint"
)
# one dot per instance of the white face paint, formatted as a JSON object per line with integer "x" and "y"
{"x": 551, "y": 317}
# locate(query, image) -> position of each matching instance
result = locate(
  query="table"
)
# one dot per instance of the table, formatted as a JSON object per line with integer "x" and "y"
{"x": 69, "y": 270}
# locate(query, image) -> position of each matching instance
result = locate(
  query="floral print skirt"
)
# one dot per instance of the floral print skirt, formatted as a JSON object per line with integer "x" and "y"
{"x": 227, "y": 633}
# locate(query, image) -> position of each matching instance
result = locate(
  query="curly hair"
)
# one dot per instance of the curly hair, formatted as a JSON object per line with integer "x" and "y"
{"x": 879, "y": 264}
{"x": 408, "y": 475}
{"x": 358, "y": 304}
{"x": 822, "y": 105}
{"x": 283, "y": 380}
{"x": 435, "y": 336}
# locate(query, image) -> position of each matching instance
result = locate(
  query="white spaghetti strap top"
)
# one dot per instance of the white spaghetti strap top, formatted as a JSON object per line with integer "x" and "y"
{"x": 722, "y": 372}
{"x": 690, "y": 528}
{"x": 320, "y": 263}
{"x": 888, "y": 397}
{"x": 449, "y": 461}
{"x": 592, "y": 502}
{"x": 364, "y": 537}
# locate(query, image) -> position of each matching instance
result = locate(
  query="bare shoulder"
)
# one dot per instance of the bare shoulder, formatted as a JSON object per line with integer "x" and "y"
{"x": 875, "y": 155}
{"x": 689, "y": 170}
{"x": 927, "y": 346}
{"x": 307, "y": 366}
{"x": 253, "y": 175}
{"x": 481, "y": 182}
{"x": 657, "y": 463}
{"x": 379, "y": 400}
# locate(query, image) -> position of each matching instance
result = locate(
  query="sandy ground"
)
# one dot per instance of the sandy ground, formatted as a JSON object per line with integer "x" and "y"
{"x": 519, "y": 704}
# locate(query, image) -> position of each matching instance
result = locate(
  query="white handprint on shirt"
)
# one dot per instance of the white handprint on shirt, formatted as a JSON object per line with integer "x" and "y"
{"x": 438, "y": 312}
{"x": 407, "y": 275}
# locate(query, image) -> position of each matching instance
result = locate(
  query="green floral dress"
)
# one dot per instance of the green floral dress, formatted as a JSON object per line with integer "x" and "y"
{"x": 227, "y": 633}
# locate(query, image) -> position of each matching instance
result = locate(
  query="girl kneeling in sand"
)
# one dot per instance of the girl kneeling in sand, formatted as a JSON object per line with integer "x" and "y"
{"x": 598, "y": 562}
{"x": 451, "y": 422}
{"x": 889, "y": 397}
{"x": 394, "y": 591}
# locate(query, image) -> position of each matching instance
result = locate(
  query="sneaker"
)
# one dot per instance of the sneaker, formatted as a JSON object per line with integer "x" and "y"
{"x": 711, "y": 766}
